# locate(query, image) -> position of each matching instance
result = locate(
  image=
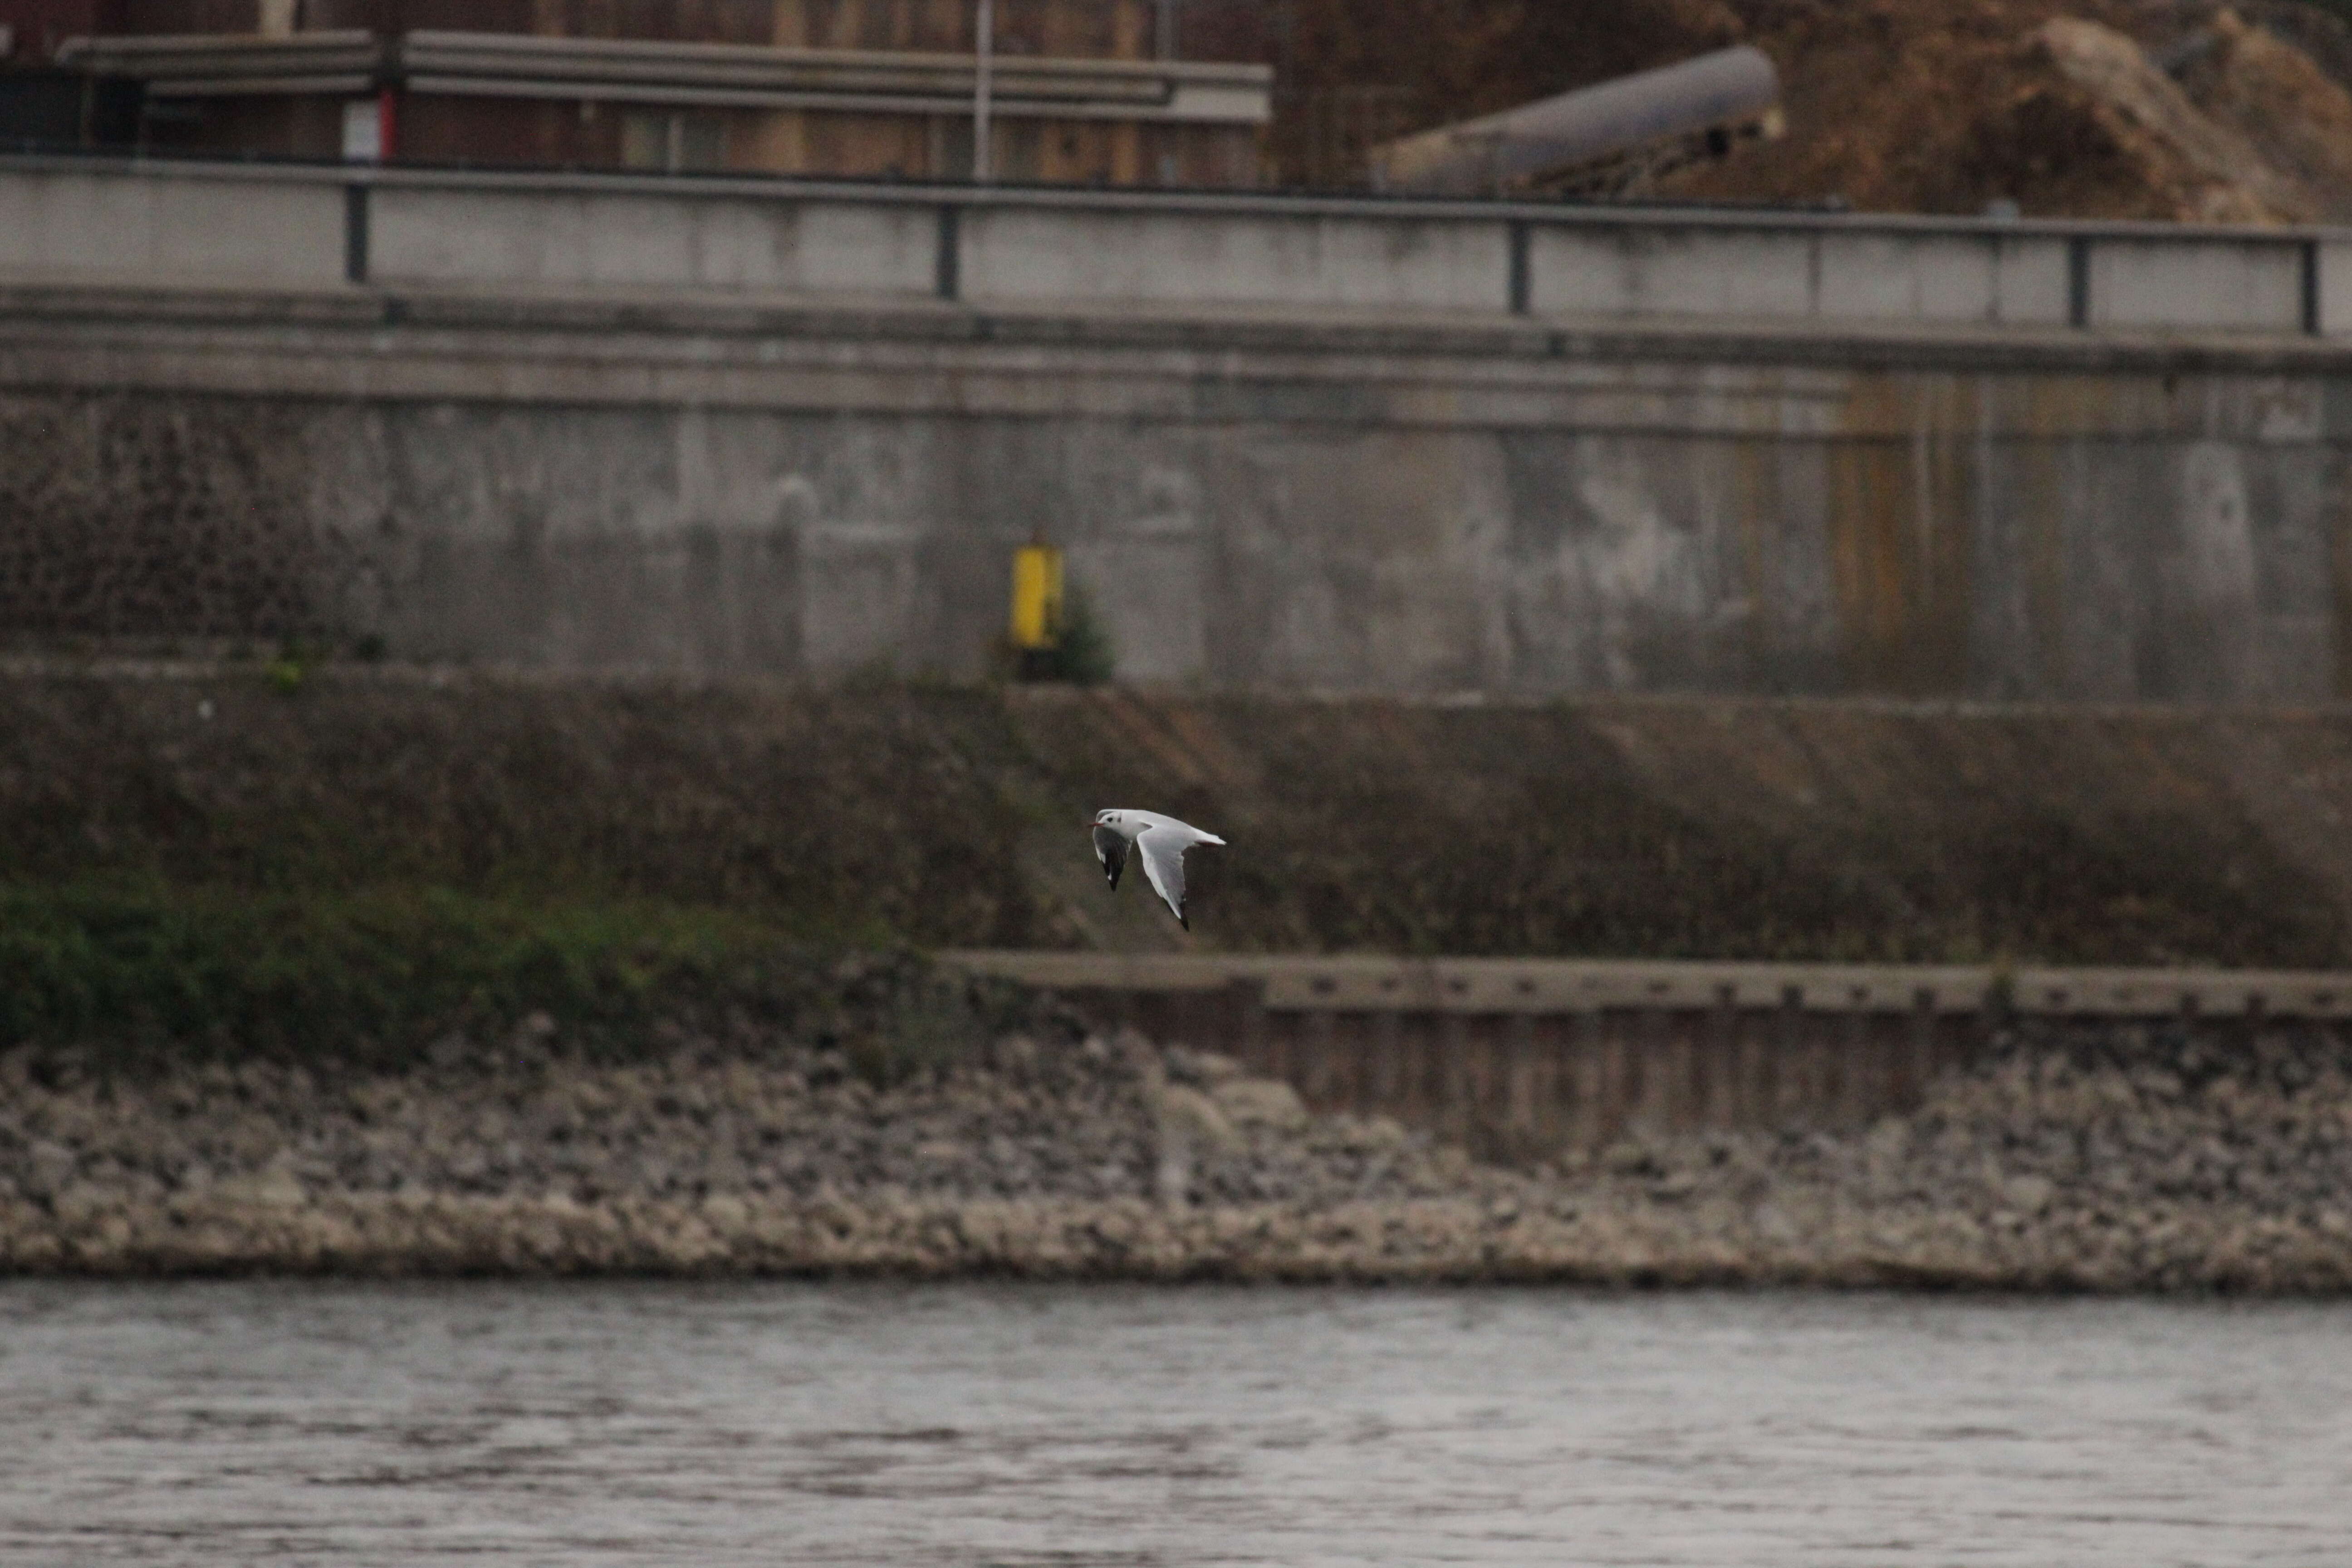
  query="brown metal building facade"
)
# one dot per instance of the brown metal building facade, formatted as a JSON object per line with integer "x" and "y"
{"x": 1080, "y": 91}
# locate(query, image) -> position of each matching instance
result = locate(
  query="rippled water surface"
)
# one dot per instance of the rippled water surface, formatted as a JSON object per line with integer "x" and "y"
{"x": 595, "y": 1424}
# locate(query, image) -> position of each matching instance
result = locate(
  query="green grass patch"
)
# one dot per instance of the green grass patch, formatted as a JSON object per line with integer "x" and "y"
{"x": 379, "y": 975}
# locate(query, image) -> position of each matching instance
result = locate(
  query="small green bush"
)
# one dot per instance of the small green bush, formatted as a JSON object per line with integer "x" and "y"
{"x": 1086, "y": 655}
{"x": 376, "y": 976}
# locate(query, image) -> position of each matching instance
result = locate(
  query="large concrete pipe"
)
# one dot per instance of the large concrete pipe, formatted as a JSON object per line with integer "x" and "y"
{"x": 1730, "y": 87}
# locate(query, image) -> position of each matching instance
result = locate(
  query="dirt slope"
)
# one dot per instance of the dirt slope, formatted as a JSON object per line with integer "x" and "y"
{"x": 956, "y": 816}
{"x": 2144, "y": 108}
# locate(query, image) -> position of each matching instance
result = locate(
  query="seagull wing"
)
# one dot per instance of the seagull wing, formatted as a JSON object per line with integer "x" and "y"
{"x": 1111, "y": 849}
{"x": 1163, "y": 861}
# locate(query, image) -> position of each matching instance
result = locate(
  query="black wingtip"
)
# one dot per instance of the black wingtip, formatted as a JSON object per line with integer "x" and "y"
{"x": 1182, "y": 922}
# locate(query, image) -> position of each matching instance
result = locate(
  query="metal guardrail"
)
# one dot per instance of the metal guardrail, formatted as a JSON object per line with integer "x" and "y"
{"x": 1567, "y": 987}
{"x": 171, "y": 224}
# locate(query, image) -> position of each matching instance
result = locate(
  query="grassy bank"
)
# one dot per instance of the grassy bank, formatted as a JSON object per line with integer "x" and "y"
{"x": 887, "y": 816}
{"x": 376, "y": 976}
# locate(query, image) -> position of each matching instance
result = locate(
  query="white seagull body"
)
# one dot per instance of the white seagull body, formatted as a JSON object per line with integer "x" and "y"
{"x": 1160, "y": 840}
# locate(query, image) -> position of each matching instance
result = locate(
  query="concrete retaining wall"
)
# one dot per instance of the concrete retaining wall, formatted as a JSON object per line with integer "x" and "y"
{"x": 325, "y": 227}
{"x": 741, "y": 428}
{"x": 617, "y": 487}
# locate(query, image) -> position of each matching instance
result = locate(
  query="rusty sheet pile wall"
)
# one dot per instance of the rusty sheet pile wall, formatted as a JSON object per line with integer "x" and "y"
{"x": 1522, "y": 1060}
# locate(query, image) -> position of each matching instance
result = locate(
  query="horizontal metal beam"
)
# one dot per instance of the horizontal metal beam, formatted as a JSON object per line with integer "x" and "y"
{"x": 632, "y": 70}
{"x": 1609, "y": 216}
{"x": 1548, "y": 986}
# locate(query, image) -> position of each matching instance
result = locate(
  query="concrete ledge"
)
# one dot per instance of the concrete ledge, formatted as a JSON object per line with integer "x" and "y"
{"x": 1556, "y": 986}
{"x": 703, "y": 347}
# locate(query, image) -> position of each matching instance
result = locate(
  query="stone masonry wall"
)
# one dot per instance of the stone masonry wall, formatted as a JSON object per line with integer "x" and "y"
{"x": 126, "y": 516}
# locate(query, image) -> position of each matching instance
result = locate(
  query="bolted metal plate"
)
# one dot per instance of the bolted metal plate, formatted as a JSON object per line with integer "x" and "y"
{"x": 2166, "y": 993}
{"x": 1351, "y": 985}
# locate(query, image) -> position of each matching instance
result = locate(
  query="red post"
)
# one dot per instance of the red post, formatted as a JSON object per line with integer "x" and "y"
{"x": 387, "y": 125}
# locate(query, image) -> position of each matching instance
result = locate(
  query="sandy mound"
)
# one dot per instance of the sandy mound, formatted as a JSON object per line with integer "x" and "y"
{"x": 2139, "y": 108}
{"x": 2283, "y": 104}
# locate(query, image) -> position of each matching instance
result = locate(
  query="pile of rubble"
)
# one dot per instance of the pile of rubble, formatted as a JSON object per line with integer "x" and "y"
{"x": 2098, "y": 1158}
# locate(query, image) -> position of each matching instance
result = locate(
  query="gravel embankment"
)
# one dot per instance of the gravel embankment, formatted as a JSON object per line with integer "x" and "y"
{"x": 2094, "y": 1159}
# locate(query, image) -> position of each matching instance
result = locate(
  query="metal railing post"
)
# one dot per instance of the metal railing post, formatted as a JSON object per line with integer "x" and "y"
{"x": 983, "y": 87}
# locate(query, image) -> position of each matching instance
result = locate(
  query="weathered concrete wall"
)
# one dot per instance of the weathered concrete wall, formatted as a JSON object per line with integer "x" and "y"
{"x": 1294, "y": 502}
{"x": 735, "y": 428}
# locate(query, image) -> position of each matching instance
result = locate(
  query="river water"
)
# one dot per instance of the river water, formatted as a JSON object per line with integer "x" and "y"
{"x": 363, "y": 1424}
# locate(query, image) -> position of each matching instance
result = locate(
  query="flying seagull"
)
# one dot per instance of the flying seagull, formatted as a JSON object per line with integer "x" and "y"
{"x": 1162, "y": 840}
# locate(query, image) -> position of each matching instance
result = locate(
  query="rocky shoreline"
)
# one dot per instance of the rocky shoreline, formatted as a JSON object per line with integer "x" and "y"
{"x": 2073, "y": 1158}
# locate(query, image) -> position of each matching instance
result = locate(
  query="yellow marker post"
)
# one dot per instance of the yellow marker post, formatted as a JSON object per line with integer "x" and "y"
{"x": 1036, "y": 599}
